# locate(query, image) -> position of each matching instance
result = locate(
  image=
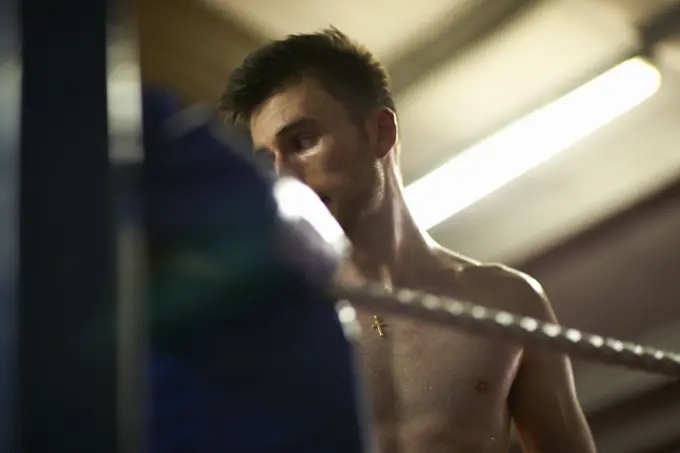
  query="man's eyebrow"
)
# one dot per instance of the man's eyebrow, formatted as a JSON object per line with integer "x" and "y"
{"x": 286, "y": 129}
{"x": 301, "y": 121}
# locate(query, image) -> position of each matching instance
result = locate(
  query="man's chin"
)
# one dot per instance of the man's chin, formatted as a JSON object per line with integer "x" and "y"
{"x": 333, "y": 209}
{"x": 336, "y": 211}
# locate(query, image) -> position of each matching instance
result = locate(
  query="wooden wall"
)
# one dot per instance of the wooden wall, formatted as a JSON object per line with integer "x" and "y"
{"x": 188, "y": 47}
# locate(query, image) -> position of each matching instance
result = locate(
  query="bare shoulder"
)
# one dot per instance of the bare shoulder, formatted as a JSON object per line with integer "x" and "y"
{"x": 500, "y": 286}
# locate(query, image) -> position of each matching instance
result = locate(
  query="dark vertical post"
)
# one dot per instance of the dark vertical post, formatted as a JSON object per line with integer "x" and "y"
{"x": 126, "y": 155}
{"x": 10, "y": 88}
{"x": 67, "y": 290}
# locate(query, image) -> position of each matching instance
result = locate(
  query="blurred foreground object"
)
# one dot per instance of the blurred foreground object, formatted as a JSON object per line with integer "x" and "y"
{"x": 248, "y": 354}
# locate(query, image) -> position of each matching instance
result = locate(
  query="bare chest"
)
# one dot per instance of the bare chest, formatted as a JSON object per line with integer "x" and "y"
{"x": 428, "y": 382}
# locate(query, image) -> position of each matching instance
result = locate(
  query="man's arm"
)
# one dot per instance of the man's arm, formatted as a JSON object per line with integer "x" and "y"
{"x": 543, "y": 400}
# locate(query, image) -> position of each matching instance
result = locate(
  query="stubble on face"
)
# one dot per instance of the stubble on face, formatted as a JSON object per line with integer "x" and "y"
{"x": 311, "y": 135}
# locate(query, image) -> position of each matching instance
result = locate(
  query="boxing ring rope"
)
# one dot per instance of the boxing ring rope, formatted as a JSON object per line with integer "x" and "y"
{"x": 478, "y": 319}
{"x": 312, "y": 232}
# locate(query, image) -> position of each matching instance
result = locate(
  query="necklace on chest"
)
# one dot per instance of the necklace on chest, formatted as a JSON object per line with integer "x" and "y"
{"x": 376, "y": 321}
{"x": 378, "y": 325}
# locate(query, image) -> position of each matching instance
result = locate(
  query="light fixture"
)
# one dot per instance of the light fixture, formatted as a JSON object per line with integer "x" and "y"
{"x": 531, "y": 140}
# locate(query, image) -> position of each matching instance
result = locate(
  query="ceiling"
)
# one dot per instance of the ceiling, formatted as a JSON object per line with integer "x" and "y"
{"x": 540, "y": 50}
{"x": 597, "y": 225}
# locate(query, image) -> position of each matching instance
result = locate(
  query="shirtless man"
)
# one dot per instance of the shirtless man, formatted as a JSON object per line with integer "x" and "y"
{"x": 319, "y": 106}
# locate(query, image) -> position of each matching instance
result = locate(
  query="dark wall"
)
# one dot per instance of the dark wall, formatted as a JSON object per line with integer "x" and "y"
{"x": 620, "y": 277}
{"x": 190, "y": 48}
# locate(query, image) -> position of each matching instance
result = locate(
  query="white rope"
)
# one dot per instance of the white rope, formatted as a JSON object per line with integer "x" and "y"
{"x": 509, "y": 326}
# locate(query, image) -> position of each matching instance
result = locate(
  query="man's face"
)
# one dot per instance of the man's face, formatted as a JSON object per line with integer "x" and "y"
{"x": 310, "y": 135}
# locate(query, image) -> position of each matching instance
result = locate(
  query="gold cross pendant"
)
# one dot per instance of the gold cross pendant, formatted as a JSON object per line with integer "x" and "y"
{"x": 377, "y": 325}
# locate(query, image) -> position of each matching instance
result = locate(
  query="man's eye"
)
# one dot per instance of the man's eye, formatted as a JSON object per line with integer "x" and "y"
{"x": 304, "y": 142}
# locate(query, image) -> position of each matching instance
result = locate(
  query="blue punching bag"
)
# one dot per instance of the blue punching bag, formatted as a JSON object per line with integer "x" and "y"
{"x": 247, "y": 352}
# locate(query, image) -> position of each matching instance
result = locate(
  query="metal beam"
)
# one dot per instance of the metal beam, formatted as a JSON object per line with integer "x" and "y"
{"x": 564, "y": 250}
{"x": 460, "y": 34}
{"x": 659, "y": 27}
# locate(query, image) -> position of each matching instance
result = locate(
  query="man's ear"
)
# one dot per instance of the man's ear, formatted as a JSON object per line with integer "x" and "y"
{"x": 387, "y": 132}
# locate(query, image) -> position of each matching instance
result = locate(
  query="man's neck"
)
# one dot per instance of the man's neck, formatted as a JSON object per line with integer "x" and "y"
{"x": 387, "y": 241}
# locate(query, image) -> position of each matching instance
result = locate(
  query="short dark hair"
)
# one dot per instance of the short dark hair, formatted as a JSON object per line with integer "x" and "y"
{"x": 348, "y": 71}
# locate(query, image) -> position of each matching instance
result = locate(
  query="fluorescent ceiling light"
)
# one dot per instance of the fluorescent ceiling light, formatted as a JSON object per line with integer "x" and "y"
{"x": 531, "y": 140}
